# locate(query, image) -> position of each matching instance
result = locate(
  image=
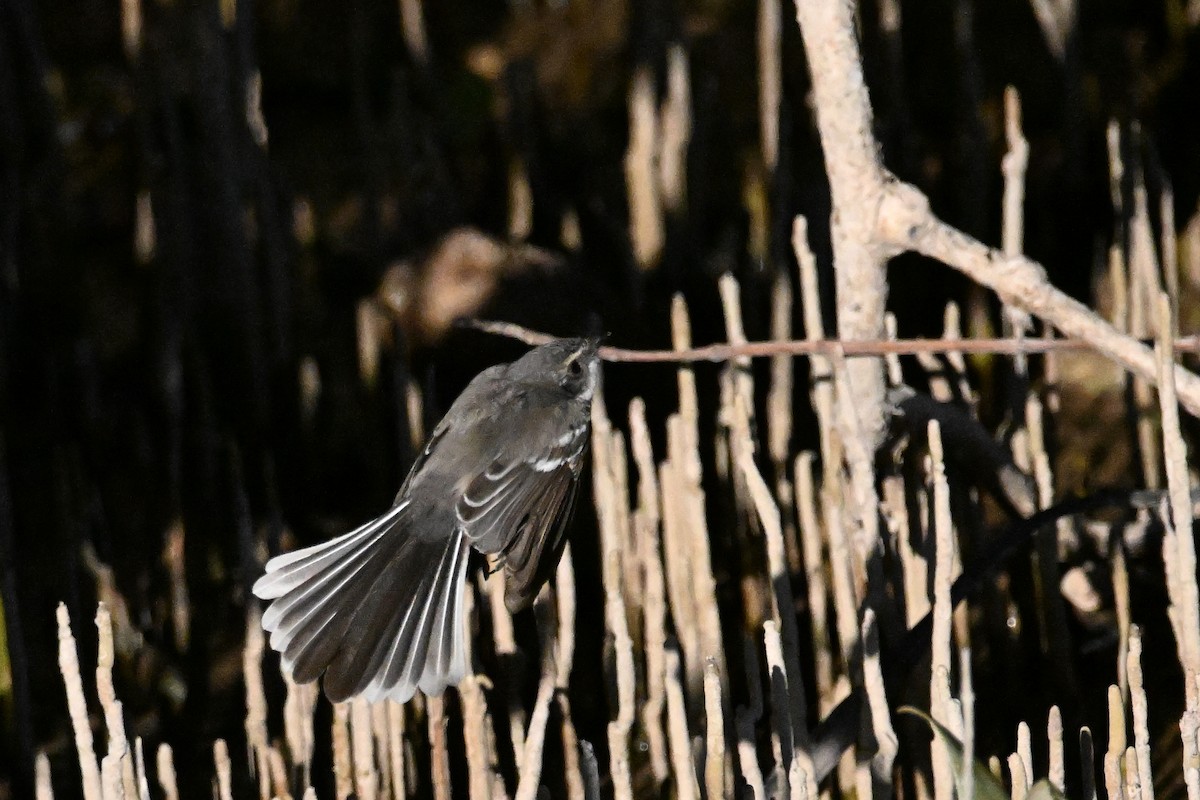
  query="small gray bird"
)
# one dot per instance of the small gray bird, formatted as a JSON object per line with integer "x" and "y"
{"x": 379, "y": 610}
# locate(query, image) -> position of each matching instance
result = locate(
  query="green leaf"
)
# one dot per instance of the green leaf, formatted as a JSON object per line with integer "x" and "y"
{"x": 987, "y": 785}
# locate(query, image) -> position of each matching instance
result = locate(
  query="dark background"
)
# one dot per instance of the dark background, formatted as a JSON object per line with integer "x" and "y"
{"x": 133, "y": 395}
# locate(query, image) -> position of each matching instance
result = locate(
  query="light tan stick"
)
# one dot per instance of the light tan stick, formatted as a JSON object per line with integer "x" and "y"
{"x": 881, "y": 722}
{"x": 395, "y": 717}
{"x": 438, "y": 741}
{"x": 1116, "y": 745}
{"x": 1025, "y": 750}
{"x": 779, "y": 413}
{"x": 654, "y": 606}
{"x": 68, "y": 665}
{"x": 165, "y": 766}
{"x": 814, "y": 573}
{"x": 362, "y": 748}
{"x": 224, "y": 788}
{"x": 143, "y": 783}
{"x": 770, "y": 68}
{"x": 256, "y": 701}
{"x": 680, "y": 740}
{"x": 940, "y": 664}
{"x": 41, "y": 772}
{"x": 1054, "y": 734}
{"x": 1013, "y": 236}
{"x": 641, "y": 179}
{"x": 714, "y": 751}
{"x": 1137, "y": 703}
{"x": 298, "y": 712}
{"x": 1020, "y": 778}
{"x": 564, "y": 593}
{"x": 675, "y": 126}
{"x": 1179, "y": 549}
{"x": 118, "y": 744}
{"x": 343, "y": 762}
{"x": 814, "y": 330}
{"x": 381, "y": 733}
{"x": 530, "y": 765}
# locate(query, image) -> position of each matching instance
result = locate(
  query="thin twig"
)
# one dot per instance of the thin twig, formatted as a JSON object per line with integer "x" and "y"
{"x": 822, "y": 347}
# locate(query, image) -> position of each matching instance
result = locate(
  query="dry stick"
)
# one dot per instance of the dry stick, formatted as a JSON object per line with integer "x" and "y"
{"x": 770, "y": 69}
{"x": 506, "y": 652}
{"x": 1013, "y": 166}
{"x": 279, "y": 774}
{"x": 714, "y": 751}
{"x": 298, "y": 712}
{"x": 165, "y": 767}
{"x": 1137, "y": 702}
{"x": 68, "y": 665}
{"x": 675, "y": 126}
{"x": 177, "y": 576}
{"x": 476, "y": 723}
{"x": 530, "y": 765}
{"x": 779, "y": 413}
{"x": 873, "y": 214}
{"x": 143, "y": 783}
{"x": 381, "y": 734}
{"x": 1025, "y": 750}
{"x": 1144, "y": 285}
{"x": 691, "y": 523}
{"x": 1020, "y": 778}
{"x": 256, "y": 701}
{"x": 843, "y": 113}
{"x": 362, "y": 743}
{"x": 908, "y": 222}
{"x": 814, "y": 331}
{"x": 395, "y": 722}
{"x": 412, "y": 24}
{"x": 439, "y": 759}
{"x": 887, "y": 745}
{"x": 1116, "y": 744}
{"x": 1133, "y": 781}
{"x": 224, "y": 788}
{"x": 815, "y": 348}
{"x": 654, "y": 610}
{"x": 41, "y": 772}
{"x": 564, "y": 592}
{"x": 952, "y": 332}
{"x": 1120, "y": 580}
{"x": 940, "y": 665}
{"x": 343, "y": 763}
{"x": 641, "y": 180}
{"x": 814, "y": 576}
{"x": 118, "y": 744}
{"x": 110, "y": 774}
{"x": 1179, "y": 547}
{"x": 686, "y": 787}
{"x": 1057, "y": 772}
{"x": 784, "y": 608}
{"x": 967, "y": 703}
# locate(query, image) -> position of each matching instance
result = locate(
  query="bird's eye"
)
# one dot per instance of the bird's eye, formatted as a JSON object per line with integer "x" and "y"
{"x": 575, "y": 368}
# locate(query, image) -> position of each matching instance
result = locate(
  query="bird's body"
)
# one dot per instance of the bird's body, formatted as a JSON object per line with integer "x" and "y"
{"x": 379, "y": 610}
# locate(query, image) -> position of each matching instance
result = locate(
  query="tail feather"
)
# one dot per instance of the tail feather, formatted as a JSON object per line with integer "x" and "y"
{"x": 379, "y": 610}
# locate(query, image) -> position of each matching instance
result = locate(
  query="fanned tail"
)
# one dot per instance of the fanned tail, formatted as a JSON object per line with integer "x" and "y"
{"x": 378, "y": 610}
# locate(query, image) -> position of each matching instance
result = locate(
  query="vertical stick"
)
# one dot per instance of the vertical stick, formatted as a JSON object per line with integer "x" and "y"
{"x": 68, "y": 665}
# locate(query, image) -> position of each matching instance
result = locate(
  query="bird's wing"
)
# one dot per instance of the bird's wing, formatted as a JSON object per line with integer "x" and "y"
{"x": 518, "y": 506}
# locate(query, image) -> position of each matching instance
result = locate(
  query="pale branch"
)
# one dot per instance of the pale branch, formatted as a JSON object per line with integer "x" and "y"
{"x": 823, "y": 347}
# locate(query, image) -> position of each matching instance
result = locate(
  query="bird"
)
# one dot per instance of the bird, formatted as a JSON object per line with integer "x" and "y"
{"x": 379, "y": 611}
